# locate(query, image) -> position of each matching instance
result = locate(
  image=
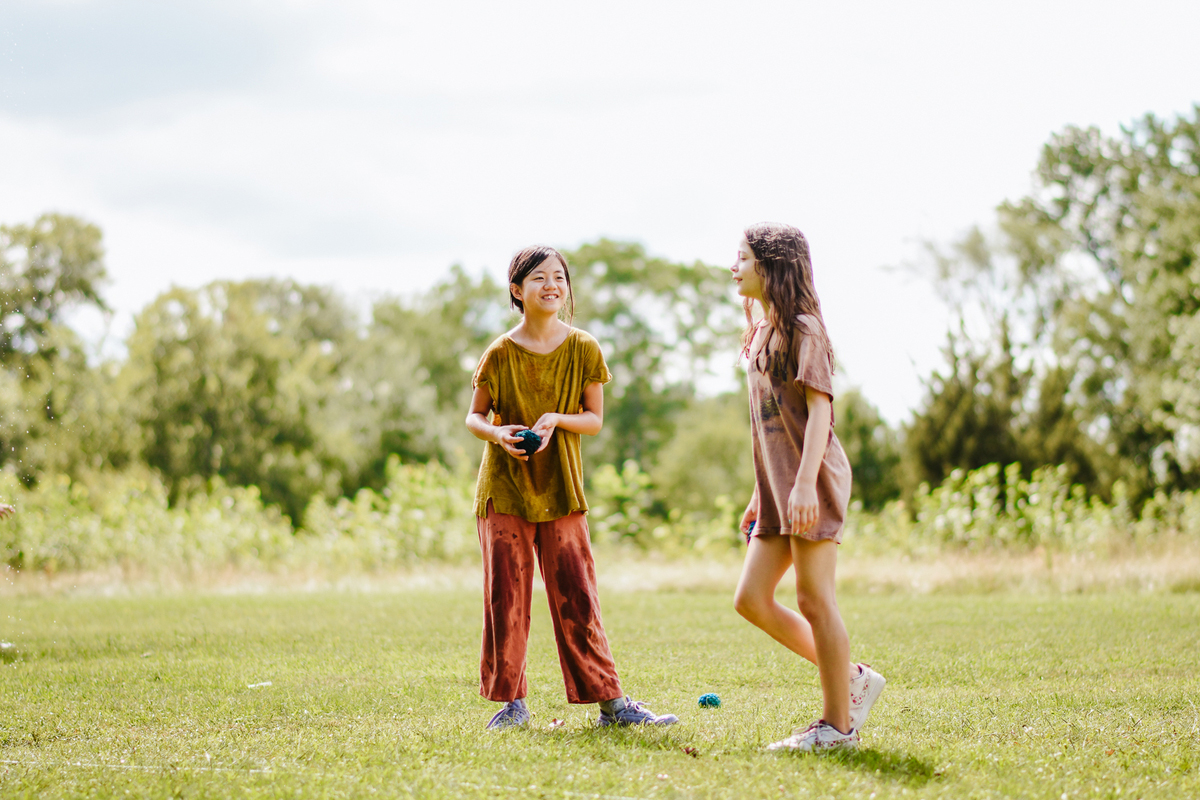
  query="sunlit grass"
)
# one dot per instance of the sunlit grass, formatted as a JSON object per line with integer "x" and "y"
{"x": 374, "y": 694}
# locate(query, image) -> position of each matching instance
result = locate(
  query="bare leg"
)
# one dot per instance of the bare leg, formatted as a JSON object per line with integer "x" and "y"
{"x": 816, "y": 565}
{"x": 767, "y": 559}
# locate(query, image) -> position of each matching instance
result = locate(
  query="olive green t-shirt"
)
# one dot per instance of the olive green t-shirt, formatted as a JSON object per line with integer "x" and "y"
{"x": 524, "y": 385}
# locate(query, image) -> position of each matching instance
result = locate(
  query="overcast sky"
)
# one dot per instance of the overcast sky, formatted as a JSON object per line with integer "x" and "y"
{"x": 370, "y": 145}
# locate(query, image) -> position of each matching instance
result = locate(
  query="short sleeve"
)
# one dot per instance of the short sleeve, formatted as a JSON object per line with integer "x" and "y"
{"x": 485, "y": 373}
{"x": 594, "y": 368}
{"x": 814, "y": 362}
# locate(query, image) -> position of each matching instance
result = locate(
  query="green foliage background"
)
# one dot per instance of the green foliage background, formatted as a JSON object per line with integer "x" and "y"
{"x": 1073, "y": 362}
{"x": 1079, "y": 323}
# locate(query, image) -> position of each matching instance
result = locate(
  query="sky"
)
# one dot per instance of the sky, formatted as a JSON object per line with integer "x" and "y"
{"x": 368, "y": 146}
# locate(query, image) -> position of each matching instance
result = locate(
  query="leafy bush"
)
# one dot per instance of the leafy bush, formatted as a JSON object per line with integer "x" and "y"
{"x": 622, "y": 505}
{"x": 424, "y": 514}
{"x": 123, "y": 520}
{"x": 991, "y": 507}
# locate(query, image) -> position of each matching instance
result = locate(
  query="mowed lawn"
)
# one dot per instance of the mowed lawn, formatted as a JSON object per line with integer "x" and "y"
{"x": 342, "y": 694}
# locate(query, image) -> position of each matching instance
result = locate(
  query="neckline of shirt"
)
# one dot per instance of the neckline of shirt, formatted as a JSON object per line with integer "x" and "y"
{"x": 570, "y": 333}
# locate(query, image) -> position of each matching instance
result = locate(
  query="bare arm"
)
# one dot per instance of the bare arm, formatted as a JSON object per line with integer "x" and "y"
{"x": 6, "y": 510}
{"x": 588, "y": 422}
{"x": 477, "y": 424}
{"x": 802, "y": 503}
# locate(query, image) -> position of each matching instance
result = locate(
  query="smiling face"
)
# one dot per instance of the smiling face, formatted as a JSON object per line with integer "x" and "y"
{"x": 544, "y": 290}
{"x": 745, "y": 275}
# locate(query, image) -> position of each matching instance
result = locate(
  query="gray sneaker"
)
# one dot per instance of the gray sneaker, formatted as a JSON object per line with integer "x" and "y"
{"x": 864, "y": 691}
{"x": 514, "y": 714}
{"x": 634, "y": 713}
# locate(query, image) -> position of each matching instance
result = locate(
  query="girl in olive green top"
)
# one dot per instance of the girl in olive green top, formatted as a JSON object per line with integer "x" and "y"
{"x": 548, "y": 377}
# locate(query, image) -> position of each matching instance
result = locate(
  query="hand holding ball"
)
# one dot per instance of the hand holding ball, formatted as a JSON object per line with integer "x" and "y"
{"x": 530, "y": 442}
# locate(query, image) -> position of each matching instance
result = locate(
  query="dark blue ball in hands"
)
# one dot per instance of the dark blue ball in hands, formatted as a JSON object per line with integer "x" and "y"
{"x": 530, "y": 442}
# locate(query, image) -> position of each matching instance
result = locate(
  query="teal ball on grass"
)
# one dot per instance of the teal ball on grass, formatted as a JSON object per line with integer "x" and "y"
{"x": 710, "y": 700}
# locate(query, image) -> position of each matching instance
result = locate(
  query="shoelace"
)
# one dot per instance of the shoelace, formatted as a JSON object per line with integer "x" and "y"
{"x": 817, "y": 724}
{"x": 630, "y": 705}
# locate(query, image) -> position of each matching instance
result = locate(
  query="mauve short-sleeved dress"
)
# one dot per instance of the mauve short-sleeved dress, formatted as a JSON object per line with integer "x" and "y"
{"x": 778, "y": 416}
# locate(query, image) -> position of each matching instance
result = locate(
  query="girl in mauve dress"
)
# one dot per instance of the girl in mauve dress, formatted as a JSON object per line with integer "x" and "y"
{"x": 802, "y": 481}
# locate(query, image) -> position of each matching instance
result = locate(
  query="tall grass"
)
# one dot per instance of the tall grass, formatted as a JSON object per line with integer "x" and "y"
{"x": 997, "y": 508}
{"x": 122, "y": 520}
{"x": 424, "y": 513}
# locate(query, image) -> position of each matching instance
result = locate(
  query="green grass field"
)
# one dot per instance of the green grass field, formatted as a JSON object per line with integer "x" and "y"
{"x": 339, "y": 694}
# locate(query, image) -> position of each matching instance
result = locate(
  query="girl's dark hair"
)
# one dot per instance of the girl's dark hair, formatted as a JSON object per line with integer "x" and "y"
{"x": 525, "y": 262}
{"x": 783, "y": 263}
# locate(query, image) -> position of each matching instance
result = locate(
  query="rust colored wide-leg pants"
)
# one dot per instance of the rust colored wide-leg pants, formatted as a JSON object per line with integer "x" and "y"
{"x": 562, "y": 547}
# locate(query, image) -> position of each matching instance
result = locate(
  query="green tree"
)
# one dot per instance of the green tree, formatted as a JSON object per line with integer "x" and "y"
{"x": 1052, "y": 434}
{"x": 871, "y": 446}
{"x": 57, "y": 411}
{"x": 1108, "y": 243}
{"x": 263, "y": 383}
{"x": 383, "y": 405}
{"x": 969, "y": 418}
{"x": 661, "y": 325}
{"x": 709, "y": 456}
{"x": 448, "y": 327}
{"x": 46, "y": 268}
{"x": 213, "y": 390}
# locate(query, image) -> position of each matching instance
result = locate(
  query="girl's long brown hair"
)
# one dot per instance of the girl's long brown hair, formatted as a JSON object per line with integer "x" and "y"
{"x": 783, "y": 262}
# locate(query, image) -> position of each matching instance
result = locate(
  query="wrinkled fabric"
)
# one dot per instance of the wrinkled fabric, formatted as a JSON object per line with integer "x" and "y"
{"x": 524, "y": 385}
{"x": 564, "y": 555}
{"x": 778, "y": 417}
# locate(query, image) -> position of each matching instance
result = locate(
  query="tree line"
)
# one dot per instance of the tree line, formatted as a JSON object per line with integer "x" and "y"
{"x": 1078, "y": 339}
{"x": 1077, "y": 343}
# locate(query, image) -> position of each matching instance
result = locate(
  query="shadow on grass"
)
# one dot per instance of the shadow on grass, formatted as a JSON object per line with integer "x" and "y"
{"x": 888, "y": 765}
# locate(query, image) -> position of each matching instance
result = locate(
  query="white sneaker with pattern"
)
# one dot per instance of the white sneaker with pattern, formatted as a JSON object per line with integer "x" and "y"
{"x": 864, "y": 691}
{"x": 820, "y": 737}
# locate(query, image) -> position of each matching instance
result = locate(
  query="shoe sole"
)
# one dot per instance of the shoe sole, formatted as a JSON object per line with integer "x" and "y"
{"x": 507, "y": 726}
{"x": 780, "y": 747}
{"x": 665, "y": 720}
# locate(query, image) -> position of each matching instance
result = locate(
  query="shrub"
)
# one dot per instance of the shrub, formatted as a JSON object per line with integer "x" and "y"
{"x": 994, "y": 507}
{"x": 424, "y": 513}
{"x": 123, "y": 520}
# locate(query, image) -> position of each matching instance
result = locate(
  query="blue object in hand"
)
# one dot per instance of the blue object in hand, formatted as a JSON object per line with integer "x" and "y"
{"x": 530, "y": 442}
{"x": 710, "y": 700}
